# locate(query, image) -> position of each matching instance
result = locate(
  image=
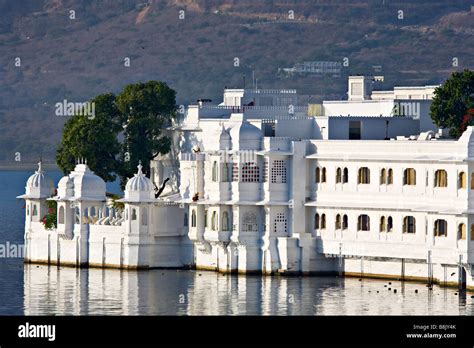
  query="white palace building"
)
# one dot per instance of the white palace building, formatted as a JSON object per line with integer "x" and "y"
{"x": 258, "y": 184}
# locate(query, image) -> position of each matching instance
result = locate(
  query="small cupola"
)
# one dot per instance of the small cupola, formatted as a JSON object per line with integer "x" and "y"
{"x": 139, "y": 188}
{"x": 87, "y": 185}
{"x": 39, "y": 185}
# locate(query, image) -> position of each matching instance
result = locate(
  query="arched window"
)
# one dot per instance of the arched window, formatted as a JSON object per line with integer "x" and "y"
{"x": 383, "y": 176}
{"x": 338, "y": 222}
{"x": 472, "y": 232}
{"x": 250, "y": 172}
{"x": 345, "y": 222}
{"x": 225, "y": 221}
{"x": 205, "y": 218}
{"x": 249, "y": 222}
{"x": 134, "y": 214}
{"x": 409, "y": 176}
{"x": 322, "y": 223}
{"x": 338, "y": 175}
{"x": 280, "y": 224}
{"x": 92, "y": 211}
{"x": 317, "y": 175}
{"x": 185, "y": 222}
{"x": 363, "y": 223}
{"x": 409, "y": 224}
{"x": 441, "y": 228}
{"x": 382, "y": 224}
{"x": 462, "y": 180}
{"x": 389, "y": 224}
{"x": 35, "y": 210}
{"x": 472, "y": 181}
{"x": 214, "y": 226}
{"x": 345, "y": 176}
{"x": 193, "y": 218}
{"x": 214, "y": 171}
{"x": 316, "y": 221}
{"x": 226, "y": 172}
{"x": 441, "y": 178}
{"x": 462, "y": 231}
{"x": 144, "y": 217}
{"x": 390, "y": 176}
{"x": 364, "y": 176}
{"x": 27, "y": 209}
{"x": 61, "y": 215}
{"x": 323, "y": 174}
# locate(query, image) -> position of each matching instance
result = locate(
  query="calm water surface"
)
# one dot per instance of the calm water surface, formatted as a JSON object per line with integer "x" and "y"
{"x": 41, "y": 290}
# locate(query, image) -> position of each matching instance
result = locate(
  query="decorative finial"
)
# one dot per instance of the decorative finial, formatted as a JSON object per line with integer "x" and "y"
{"x": 140, "y": 167}
{"x": 39, "y": 166}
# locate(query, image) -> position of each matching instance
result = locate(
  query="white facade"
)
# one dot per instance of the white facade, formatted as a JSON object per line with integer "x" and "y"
{"x": 270, "y": 190}
{"x": 397, "y": 208}
{"x": 92, "y": 231}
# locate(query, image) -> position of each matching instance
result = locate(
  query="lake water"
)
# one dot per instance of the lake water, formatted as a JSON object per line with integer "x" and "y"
{"x": 42, "y": 290}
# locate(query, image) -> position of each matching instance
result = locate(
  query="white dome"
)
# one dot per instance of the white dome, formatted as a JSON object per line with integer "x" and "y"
{"x": 246, "y": 136}
{"x": 139, "y": 188}
{"x": 65, "y": 187}
{"x": 39, "y": 185}
{"x": 87, "y": 185}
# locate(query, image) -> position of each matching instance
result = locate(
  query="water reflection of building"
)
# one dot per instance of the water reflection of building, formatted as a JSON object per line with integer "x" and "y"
{"x": 68, "y": 291}
{"x": 250, "y": 295}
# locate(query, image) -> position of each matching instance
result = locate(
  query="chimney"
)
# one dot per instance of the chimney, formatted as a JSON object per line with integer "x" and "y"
{"x": 359, "y": 88}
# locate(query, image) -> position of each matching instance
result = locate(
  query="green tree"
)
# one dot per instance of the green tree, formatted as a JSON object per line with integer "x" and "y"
{"x": 453, "y": 103}
{"x": 94, "y": 139}
{"x": 146, "y": 109}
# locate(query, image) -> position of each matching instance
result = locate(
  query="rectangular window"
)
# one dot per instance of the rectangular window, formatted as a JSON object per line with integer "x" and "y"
{"x": 268, "y": 129}
{"x": 354, "y": 130}
{"x": 278, "y": 172}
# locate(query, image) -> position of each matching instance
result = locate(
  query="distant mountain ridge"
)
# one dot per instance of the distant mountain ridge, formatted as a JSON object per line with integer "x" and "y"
{"x": 76, "y": 59}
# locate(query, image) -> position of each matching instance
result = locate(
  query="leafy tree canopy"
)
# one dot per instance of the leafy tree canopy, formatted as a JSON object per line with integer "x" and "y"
{"x": 453, "y": 103}
{"x": 126, "y": 129}
{"x": 94, "y": 139}
{"x": 146, "y": 109}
